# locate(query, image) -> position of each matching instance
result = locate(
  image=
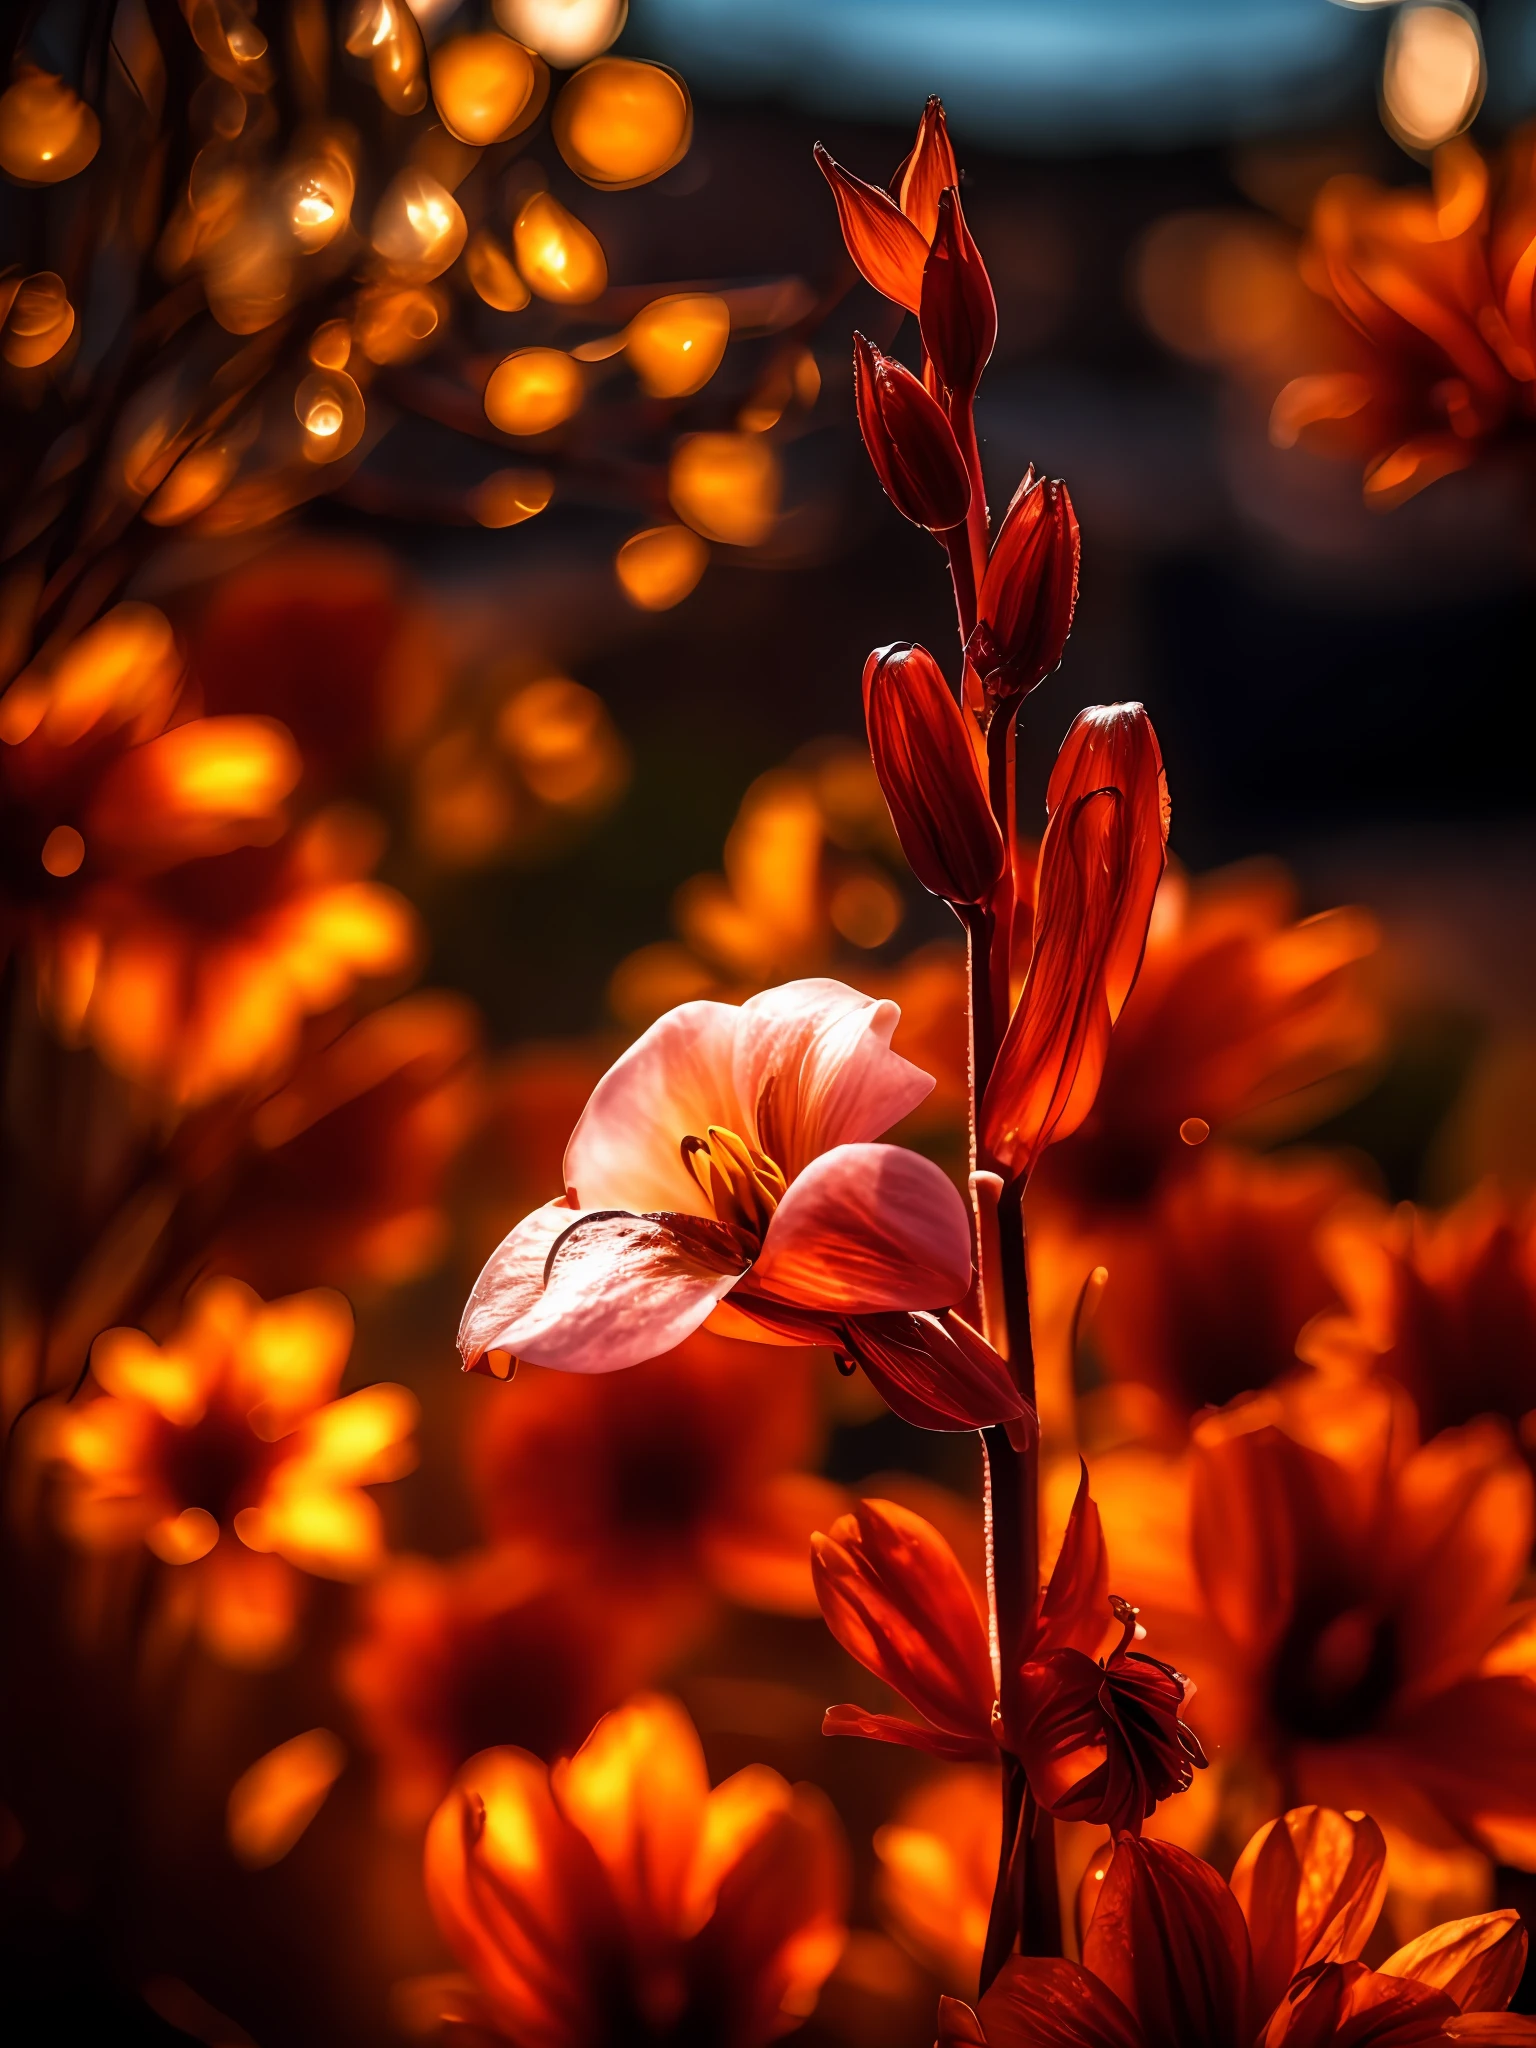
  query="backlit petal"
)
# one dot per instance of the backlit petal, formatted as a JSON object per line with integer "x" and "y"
{"x": 619, "y": 1289}
{"x": 826, "y": 1050}
{"x": 1311, "y": 1885}
{"x": 867, "y": 1228}
{"x": 888, "y": 249}
{"x": 1039, "y": 2002}
{"x": 1075, "y": 1606}
{"x": 1168, "y": 1938}
{"x": 894, "y": 1595}
{"x": 1479, "y": 1961}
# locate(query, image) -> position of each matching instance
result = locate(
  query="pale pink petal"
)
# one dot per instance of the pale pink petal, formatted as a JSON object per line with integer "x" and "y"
{"x": 823, "y": 1052}
{"x": 866, "y": 1228}
{"x": 620, "y": 1289}
{"x": 673, "y": 1083}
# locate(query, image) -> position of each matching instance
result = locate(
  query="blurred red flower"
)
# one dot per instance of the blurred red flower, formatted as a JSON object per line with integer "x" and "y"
{"x": 616, "y": 1899}
{"x": 1445, "y": 1304}
{"x": 680, "y": 1480}
{"x": 1174, "y": 1958}
{"x": 503, "y": 1645}
{"x": 1344, "y": 1597}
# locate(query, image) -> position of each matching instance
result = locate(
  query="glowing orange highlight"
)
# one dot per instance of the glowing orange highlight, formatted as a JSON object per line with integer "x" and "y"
{"x": 47, "y": 133}
{"x": 677, "y": 343}
{"x": 272, "y": 1803}
{"x": 620, "y": 123}
{"x": 560, "y": 258}
{"x": 726, "y": 486}
{"x": 659, "y": 567}
{"x": 533, "y": 391}
{"x": 486, "y": 87}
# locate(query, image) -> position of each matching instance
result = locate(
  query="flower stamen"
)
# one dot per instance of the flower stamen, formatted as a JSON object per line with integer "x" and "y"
{"x": 739, "y": 1181}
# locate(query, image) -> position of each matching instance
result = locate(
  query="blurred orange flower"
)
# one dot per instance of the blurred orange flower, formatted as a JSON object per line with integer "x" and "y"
{"x": 1446, "y": 1305}
{"x": 616, "y": 1899}
{"x": 684, "y": 1478}
{"x": 1210, "y": 1284}
{"x": 1343, "y": 1596}
{"x": 1436, "y": 344}
{"x": 226, "y": 1447}
{"x": 496, "y": 1646}
{"x": 197, "y": 980}
{"x": 1173, "y": 1954}
{"x": 1241, "y": 1018}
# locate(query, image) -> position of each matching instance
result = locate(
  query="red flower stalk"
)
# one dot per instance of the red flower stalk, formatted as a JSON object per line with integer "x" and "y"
{"x": 1174, "y": 1958}
{"x": 927, "y": 769}
{"x": 1099, "y": 1740}
{"x": 1102, "y": 856}
{"x": 1028, "y": 593}
{"x": 910, "y": 442}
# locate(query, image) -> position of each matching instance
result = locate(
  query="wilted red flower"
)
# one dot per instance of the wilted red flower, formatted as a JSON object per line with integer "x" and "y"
{"x": 1101, "y": 859}
{"x": 1172, "y": 1956}
{"x": 1240, "y": 1018}
{"x": 1445, "y": 1305}
{"x": 1436, "y": 355}
{"x": 929, "y": 775}
{"x": 616, "y": 1899}
{"x": 727, "y": 1153}
{"x": 503, "y": 1645}
{"x": 1028, "y": 593}
{"x": 1343, "y": 1595}
{"x": 682, "y": 1479}
{"x": 227, "y": 1441}
{"x": 1100, "y": 1740}
{"x": 910, "y": 442}
{"x": 889, "y": 238}
{"x": 1212, "y": 1282}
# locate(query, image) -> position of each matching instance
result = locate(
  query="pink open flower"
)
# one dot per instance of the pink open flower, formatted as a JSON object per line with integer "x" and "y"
{"x": 729, "y": 1154}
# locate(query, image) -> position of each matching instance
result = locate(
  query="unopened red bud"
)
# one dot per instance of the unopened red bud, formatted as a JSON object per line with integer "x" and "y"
{"x": 910, "y": 442}
{"x": 959, "y": 312}
{"x": 1028, "y": 592}
{"x": 927, "y": 769}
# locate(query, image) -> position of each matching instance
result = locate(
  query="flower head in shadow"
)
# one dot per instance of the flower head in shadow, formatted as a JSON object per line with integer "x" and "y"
{"x": 615, "y": 1901}
{"x": 1173, "y": 1957}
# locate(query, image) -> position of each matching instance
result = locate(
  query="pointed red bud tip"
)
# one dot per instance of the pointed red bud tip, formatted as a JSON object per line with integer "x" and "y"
{"x": 959, "y": 312}
{"x": 910, "y": 442}
{"x": 927, "y": 769}
{"x": 1028, "y": 591}
{"x": 928, "y": 171}
{"x": 889, "y": 251}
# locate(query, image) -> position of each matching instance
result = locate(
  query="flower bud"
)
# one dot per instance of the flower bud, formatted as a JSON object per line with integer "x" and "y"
{"x": 910, "y": 442}
{"x": 1028, "y": 592}
{"x": 959, "y": 312}
{"x": 927, "y": 769}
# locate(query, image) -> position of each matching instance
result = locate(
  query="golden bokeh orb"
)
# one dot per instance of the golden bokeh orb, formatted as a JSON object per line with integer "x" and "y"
{"x": 726, "y": 486}
{"x": 485, "y": 87}
{"x": 47, "y": 132}
{"x": 659, "y": 567}
{"x": 533, "y": 390}
{"x": 619, "y": 123}
{"x": 676, "y": 343}
{"x": 560, "y": 258}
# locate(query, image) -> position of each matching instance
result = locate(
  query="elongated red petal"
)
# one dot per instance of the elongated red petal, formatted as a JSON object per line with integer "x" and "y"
{"x": 1100, "y": 862}
{"x": 889, "y": 251}
{"x": 894, "y": 1595}
{"x": 1028, "y": 591}
{"x": 1075, "y": 1605}
{"x": 928, "y": 171}
{"x": 1478, "y": 1961}
{"x": 1052, "y": 1055}
{"x": 959, "y": 1749}
{"x": 959, "y": 312}
{"x": 1311, "y": 1885}
{"x": 927, "y": 769}
{"x": 910, "y": 442}
{"x": 1113, "y": 746}
{"x": 1041, "y": 2002}
{"x": 1168, "y": 1939}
